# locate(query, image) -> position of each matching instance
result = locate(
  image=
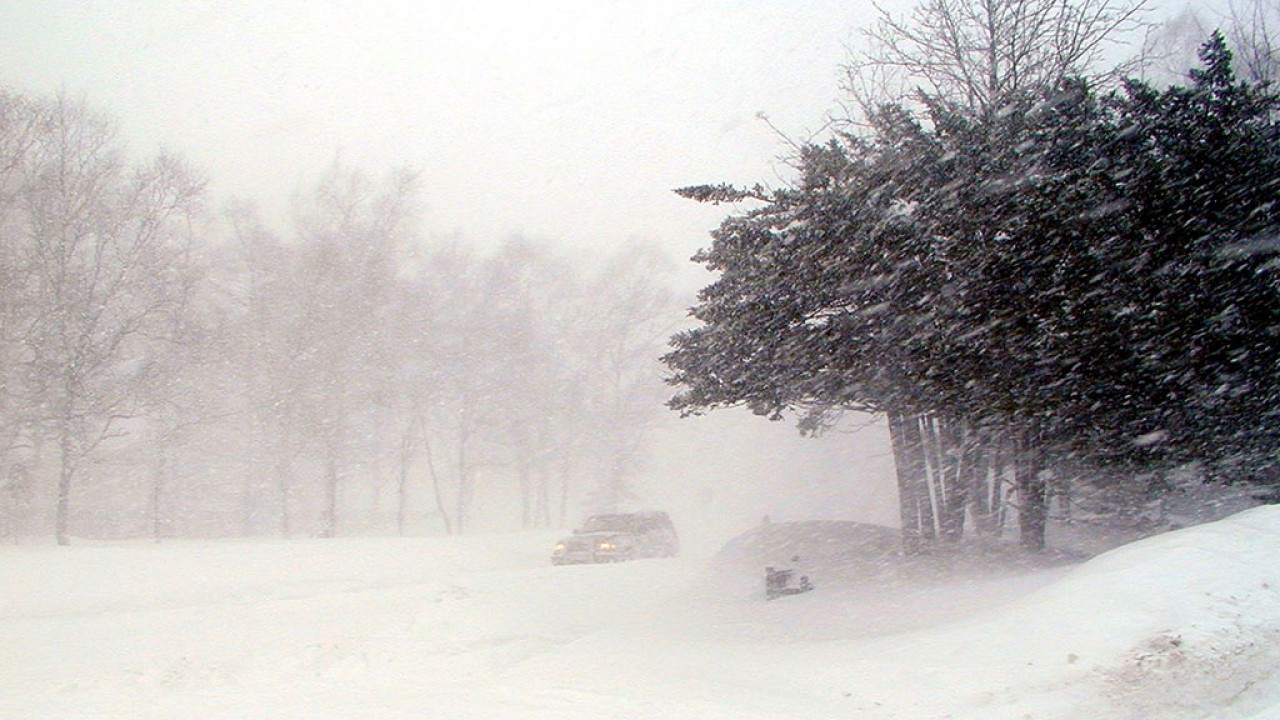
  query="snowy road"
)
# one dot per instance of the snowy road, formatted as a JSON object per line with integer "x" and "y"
{"x": 378, "y": 628}
{"x": 350, "y": 628}
{"x": 1181, "y": 626}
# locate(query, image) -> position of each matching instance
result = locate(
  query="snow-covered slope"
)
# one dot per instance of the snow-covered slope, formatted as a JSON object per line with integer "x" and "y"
{"x": 1184, "y": 625}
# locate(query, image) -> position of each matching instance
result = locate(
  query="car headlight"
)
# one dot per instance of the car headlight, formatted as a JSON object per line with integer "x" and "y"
{"x": 557, "y": 548}
{"x": 606, "y": 546}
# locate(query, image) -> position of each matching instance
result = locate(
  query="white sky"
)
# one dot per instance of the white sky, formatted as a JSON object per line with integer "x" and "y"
{"x": 560, "y": 120}
{"x": 566, "y": 120}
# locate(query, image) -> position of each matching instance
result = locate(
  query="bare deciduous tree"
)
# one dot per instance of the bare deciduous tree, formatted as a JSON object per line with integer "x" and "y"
{"x": 1252, "y": 29}
{"x": 261, "y": 281}
{"x": 19, "y": 124}
{"x": 106, "y": 248}
{"x": 1254, "y": 35}
{"x": 352, "y": 228}
{"x": 974, "y": 54}
{"x": 633, "y": 312}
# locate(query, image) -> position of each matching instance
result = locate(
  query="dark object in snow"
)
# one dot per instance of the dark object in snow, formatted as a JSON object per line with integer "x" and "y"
{"x": 618, "y": 537}
{"x": 777, "y": 583}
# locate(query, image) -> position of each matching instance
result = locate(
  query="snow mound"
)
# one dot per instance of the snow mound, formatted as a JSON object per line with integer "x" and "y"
{"x": 1180, "y": 626}
{"x": 830, "y": 547}
{"x": 847, "y": 554}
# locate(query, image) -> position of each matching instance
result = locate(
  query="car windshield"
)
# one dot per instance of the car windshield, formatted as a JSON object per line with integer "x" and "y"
{"x": 610, "y": 523}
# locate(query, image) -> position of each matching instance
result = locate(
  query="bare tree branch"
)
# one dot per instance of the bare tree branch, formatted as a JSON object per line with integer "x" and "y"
{"x": 974, "y": 54}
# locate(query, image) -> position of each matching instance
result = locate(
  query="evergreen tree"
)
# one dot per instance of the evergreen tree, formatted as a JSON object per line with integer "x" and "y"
{"x": 1085, "y": 282}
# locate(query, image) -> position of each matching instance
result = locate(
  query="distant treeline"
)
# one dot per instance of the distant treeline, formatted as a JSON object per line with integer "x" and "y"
{"x": 170, "y": 369}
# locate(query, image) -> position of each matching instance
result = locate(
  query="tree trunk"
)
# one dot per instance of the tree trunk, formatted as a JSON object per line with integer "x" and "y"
{"x": 1032, "y": 508}
{"x": 248, "y": 499}
{"x": 19, "y": 498}
{"x": 931, "y": 459}
{"x": 466, "y": 485}
{"x": 913, "y": 498}
{"x": 62, "y": 522}
{"x": 958, "y": 453}
{"x": 158, "y": 480}
{"x": 946, "y": 456}
{"x": 999, "y": 501}
{"x": 915, "y": 445}
{"x": 402, "y": 494}
{"x": 978, "y": 478}
{"x": 435, "y": 485}
{"x": 284, "y": 481}
{"x": 542, "y": 507}
{"x": 329, "y": 521}
{"x": 525, "y": 476}
{"x": 566, "y": 472}
{"x": 66, "y": 469}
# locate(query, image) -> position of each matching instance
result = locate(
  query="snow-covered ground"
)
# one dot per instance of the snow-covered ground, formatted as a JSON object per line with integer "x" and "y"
{"x": 1183, "y": 625}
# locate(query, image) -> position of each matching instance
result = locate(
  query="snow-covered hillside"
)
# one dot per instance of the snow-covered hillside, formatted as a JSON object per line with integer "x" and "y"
{"x": 1184, "y": 625}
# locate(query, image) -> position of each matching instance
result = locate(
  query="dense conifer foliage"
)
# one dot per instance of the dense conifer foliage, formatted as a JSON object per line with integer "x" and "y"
{"x": 1073, "y": 284}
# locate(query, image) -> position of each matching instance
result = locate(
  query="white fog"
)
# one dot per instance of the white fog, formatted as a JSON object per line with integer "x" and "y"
{"x": 813, "y": 359}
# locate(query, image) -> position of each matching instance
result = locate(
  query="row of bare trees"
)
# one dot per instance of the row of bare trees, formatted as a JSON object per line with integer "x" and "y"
{"x": 172, "y": 369}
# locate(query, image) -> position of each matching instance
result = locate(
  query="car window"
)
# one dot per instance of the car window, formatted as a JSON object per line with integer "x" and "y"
{"x": 607, "y": 523}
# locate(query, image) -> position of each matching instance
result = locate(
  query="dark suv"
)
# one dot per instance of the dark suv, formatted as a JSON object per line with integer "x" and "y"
{"x": 618, "y": 537}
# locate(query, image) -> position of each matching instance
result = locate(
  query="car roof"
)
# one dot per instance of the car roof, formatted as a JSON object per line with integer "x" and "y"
{"x": 643, "y": 513}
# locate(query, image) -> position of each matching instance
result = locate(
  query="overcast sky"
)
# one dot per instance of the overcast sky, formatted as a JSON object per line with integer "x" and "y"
{"x": 559, "y": 120}
{"x": 567, "y": 121}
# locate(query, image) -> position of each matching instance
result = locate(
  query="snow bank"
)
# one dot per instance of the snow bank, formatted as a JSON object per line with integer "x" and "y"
{"x": 1184, "y": 625}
